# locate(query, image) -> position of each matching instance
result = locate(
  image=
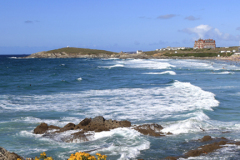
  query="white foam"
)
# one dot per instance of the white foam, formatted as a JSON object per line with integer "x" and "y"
{"x": 79, "y": 79}
{"x": 64, "y": 136}
{"x": 127, "y": 142}
{"x": 126, "y": 132}
{"x": 129, "y": 139}
{"x": 165, "y": 72}
{"x": 193, "y": 124}
{"x": 123, "y": 103}
{"x": 113, "y": 66}
{"x": 62, "y": 122}
{"x": 26, "y": 133}
{"x": 148, "y": 64}
{"x": 225, "y": 72}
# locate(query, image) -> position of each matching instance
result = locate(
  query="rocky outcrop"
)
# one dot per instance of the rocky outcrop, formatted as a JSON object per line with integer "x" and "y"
{"x": 205, "y": 139}
{"x": 213, "y": 145}
{"x": 205, "y": 149}
{"x": 5, "y": 155}
{"x": 43, "y": 127}
{"x": 96, "y": 124}
{"x": 84, "y": 130}
{"x": 150, "y": 129}
{"x": 81, "y": 55}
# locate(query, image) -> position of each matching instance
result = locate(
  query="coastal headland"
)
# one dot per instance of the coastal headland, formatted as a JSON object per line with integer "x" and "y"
{"x": 72, "y": 52}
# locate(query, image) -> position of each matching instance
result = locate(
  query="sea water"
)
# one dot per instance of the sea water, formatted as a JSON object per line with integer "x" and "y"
{"x": 184, "y": 96}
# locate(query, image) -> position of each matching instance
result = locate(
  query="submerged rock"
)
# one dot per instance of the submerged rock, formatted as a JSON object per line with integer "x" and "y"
{"x": 5, "y": 155}
{"x": 205, "y": 149}
{"x": 205, "y": 139}
{"x": 150, "y": 129}
{"x": 215, "y": 143}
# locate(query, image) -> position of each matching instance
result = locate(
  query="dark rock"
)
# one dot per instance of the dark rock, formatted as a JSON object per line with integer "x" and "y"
{"x": 170, "y": 158}
{"x": 98, "y": 120}
{"x": 79, "y": 136}
{"x": 96, "y": 124}
{"x": 205, "y": 139}
{"x": 150, "y": 129}
{"x": 85, "y": 122}
{"x": 69, "y": 126}
{"x": 53, "y": 127}
{"x": 5, "y": 155}
{"x": 205, "y": 149}
{"x": 42, "y": 128}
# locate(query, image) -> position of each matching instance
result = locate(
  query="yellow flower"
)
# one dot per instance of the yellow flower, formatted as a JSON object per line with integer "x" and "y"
{"x": 19, "y": 159}
{"x": 36, "y": 158}
{"x": 98, "y": 154}
{"x": 104, "y": 157}
{"x": 86, "y": 154}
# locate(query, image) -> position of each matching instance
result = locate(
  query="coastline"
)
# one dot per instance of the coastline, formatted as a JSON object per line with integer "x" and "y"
{"x": 72, "y": 52}
{"x": 125, "y": 56}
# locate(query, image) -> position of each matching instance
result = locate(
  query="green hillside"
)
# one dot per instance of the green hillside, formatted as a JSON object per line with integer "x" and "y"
{"x": 84, "y": 51}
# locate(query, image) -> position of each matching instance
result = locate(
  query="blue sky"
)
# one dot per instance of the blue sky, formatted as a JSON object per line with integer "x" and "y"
{"x": 30, "y": 26}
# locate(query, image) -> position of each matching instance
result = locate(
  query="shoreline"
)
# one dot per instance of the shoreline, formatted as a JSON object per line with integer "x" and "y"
{"x": 128, "y": 56}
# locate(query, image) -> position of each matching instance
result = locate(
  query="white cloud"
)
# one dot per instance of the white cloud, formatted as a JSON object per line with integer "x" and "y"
{"x": 206, "y": 31}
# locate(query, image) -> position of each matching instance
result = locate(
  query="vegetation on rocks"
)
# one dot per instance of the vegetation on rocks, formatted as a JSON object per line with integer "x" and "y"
{"x": 84, "y": 51}
{"x": 190, "y": 52}
{"x": 76, "y": 156}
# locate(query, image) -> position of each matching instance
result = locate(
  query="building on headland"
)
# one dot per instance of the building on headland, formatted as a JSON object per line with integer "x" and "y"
{"x": 237, "y": 53}
{"x": 171, "y": 48}
{"x": 139, "y": 51}
{"x": 204, "y": 43}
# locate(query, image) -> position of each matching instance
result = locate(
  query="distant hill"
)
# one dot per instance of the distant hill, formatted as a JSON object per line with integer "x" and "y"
{"x": 72, "y": 52}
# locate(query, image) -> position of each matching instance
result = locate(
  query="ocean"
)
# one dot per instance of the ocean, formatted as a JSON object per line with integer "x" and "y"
{"x": 189, "y": 98}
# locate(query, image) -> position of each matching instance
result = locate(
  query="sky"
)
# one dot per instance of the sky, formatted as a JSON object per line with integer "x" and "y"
{"x": 30, "y": 26}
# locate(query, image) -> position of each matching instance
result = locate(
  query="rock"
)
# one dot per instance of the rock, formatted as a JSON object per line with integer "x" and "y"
{"x": 98, "y": 120}
{"x": 85, "y": 122}
{"x": 42, "y": 128}
{"x": 171, "y": 158}
{"x": 53, "y": 127}
{"x": 5, "y": 155}
{"x": 150, "y": 129}
{"x": 205, "y": 139}
{"x": 78, "y": 137}
{"x": 69, "y": 126}
{"x": 96, "y": 124}
{"x": 205, "y": 149}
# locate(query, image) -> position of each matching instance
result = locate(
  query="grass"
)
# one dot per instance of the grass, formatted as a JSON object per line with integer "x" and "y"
{"x": 190, "y": 52}
{"x": 197, "y": 54}
{"x": 83, "y": 51}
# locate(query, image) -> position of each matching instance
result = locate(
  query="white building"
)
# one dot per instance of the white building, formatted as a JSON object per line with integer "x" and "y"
{"x": 139, "y": 51}
{"x": 173, "y": 48}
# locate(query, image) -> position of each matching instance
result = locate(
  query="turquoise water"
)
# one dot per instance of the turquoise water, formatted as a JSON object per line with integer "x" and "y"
{"x": 181, "y": 95}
